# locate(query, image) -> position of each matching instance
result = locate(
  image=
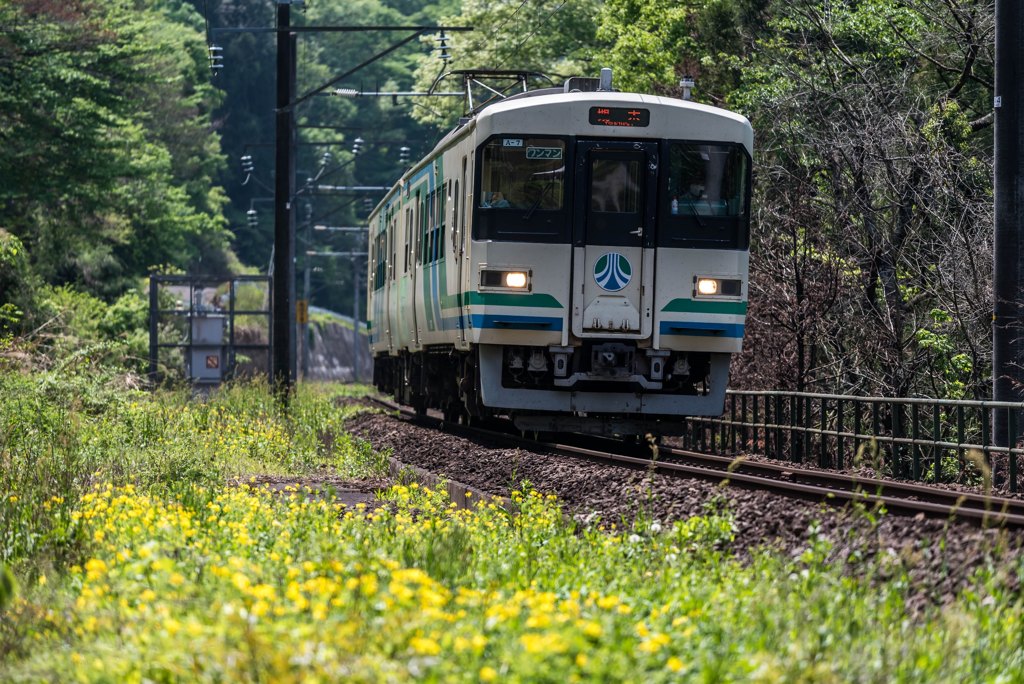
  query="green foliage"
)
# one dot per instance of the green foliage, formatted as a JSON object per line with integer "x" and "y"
{"x": 107, "y": 157}
{"x": 8, "y": 586}
{"x": 556, "y": 39}
{"x": 18, "y": 284}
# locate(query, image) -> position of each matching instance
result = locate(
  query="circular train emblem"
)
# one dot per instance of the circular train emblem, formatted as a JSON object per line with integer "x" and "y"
{"x": 612, "y": 272}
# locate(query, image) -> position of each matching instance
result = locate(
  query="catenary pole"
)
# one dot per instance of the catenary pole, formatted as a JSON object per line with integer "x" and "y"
{"x": 284, "y": 222}
{"x": 1008, "y": 106}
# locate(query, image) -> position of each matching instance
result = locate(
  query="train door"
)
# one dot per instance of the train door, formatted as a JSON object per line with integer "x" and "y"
{"x": 615, "y": 197}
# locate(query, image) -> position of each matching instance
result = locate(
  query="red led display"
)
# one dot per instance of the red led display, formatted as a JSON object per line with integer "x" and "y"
{"x": 619, "y": 116}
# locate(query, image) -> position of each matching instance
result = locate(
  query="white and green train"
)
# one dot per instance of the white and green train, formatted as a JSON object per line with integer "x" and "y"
{"x": 574, "y": 260}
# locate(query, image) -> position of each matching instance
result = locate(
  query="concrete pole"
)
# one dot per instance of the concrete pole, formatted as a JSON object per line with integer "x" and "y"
{"x": 1007, "y": 342}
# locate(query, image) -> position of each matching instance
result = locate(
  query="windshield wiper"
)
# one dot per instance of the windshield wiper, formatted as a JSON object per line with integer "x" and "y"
{"x": 537, "y": 203}
{"x": 696, "y": 215}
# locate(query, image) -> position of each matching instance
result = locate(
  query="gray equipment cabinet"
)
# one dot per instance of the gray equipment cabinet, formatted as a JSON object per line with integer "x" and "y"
{"x": 209, "y": 329}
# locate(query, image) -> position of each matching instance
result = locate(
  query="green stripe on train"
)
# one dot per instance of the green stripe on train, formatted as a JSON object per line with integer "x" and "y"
{"x": 538, "y": 300}
{"x": 696, "y": 306}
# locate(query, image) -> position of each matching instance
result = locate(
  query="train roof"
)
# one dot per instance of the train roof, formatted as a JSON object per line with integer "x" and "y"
{"x": 552, "y": 111}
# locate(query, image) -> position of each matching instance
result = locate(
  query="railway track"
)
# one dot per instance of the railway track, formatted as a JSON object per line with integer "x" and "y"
{"x": 834, "y": 488}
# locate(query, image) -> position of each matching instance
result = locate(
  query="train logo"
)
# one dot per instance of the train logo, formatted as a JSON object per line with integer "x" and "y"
{"x": 612, "y": 272}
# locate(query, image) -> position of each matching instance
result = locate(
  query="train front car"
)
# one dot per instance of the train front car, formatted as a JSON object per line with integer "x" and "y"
{"x": 575, "y": 260}
{"x": 610, "y": 238}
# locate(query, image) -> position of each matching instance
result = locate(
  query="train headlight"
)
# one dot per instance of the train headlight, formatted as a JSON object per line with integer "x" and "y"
{"x": 716, "y": 287}
{"x": 505, "y": 279}
{"x": 516, "y": 279}
{"x": 707, "y": 286}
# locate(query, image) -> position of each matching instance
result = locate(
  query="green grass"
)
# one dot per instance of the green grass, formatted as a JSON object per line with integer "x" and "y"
{"x": 137, "y": 560}
{"x": 63, "y": 432}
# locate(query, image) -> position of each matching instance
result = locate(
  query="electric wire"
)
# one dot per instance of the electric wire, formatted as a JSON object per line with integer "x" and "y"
{"x": 540, "y": 24}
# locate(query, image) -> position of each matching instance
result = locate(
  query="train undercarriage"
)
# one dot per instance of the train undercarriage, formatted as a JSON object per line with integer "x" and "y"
{"x": 608, "y": 388}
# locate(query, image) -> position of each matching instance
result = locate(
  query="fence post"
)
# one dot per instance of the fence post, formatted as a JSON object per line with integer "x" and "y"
{"x": 1011, "y": 443}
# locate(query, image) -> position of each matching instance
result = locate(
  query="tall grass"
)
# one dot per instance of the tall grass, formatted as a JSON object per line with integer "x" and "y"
{"x": 64, "y": 431}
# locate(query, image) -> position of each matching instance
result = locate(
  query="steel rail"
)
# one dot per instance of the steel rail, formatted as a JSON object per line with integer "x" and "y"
{"x": 809, "y": 485}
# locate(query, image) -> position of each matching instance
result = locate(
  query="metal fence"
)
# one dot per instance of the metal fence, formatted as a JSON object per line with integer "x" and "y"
{"x": 933, "y": 440}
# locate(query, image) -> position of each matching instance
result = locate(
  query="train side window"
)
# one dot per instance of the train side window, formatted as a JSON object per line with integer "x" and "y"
{"x": 408, "y": 224}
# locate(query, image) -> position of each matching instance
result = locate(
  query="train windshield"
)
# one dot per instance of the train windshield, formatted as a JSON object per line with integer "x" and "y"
{"x": 707, "y": 195}
{"x": 521, "y": 192}
{"x": 523, "y": 173}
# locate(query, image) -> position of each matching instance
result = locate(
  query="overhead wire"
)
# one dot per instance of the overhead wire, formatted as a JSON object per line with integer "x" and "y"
{"x": 540, "y": 24}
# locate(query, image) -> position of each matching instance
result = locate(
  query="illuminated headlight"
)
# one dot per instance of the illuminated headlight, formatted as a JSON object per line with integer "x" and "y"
{"x": 707, "y": 286}
{"x": 515, "y": 279}
{"x": 717, "y": 287}
{"x": 505, "y": 279}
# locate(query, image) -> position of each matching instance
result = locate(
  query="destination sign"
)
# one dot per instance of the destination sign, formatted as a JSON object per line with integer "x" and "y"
{"x": 620, "y": 116}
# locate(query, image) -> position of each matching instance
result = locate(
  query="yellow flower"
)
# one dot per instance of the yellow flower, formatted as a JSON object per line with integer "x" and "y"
{"x": 425, "y": 646}
{"x": 488, "y": 674}
{"x": 654, "y": 643}
{"x": 674, "y": 664}
{"x": 543, "y": 643}
{"x": 581, "y": 660}
{"x": 94, "y": 568}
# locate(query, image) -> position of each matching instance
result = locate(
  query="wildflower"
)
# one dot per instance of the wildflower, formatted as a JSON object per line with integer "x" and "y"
{"x": 674, "y": 664}
{"x": 94, "y": 569}
{"x": 654, "y": 643}
{"x": 488, "y": 674}
{"x": 591, "y": 629}
{"x": 424, "y": 646}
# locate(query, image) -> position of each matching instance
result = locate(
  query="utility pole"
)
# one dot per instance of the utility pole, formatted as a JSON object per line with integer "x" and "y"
{"x": 1008, "y": 107}
{"x": 284, "y": 216}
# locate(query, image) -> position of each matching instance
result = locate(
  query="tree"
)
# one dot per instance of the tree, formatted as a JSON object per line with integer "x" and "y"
{"x": 104, "y": 141}
{"x": 882, "y": 105}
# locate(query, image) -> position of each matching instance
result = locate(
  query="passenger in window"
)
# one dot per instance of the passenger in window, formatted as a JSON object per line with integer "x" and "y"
{"x": 495, "y": 200}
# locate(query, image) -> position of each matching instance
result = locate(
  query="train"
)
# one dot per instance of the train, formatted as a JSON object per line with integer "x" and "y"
{"x": 574, "y": 259}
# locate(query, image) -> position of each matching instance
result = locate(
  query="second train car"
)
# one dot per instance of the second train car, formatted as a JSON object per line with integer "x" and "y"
{"x": 576, "y": 261}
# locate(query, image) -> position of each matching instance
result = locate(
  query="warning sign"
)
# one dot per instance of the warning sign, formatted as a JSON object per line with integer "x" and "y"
{"x": 213, "y": 360}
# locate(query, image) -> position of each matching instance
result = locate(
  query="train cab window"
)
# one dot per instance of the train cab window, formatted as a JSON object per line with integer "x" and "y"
{"x": 522, "y": 189}
{"x": 616, "y": 185}
{"x": 705, "y": 196}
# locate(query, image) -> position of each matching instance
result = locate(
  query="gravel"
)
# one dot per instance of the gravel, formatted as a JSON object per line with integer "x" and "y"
{"x": 939, "y": 556}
